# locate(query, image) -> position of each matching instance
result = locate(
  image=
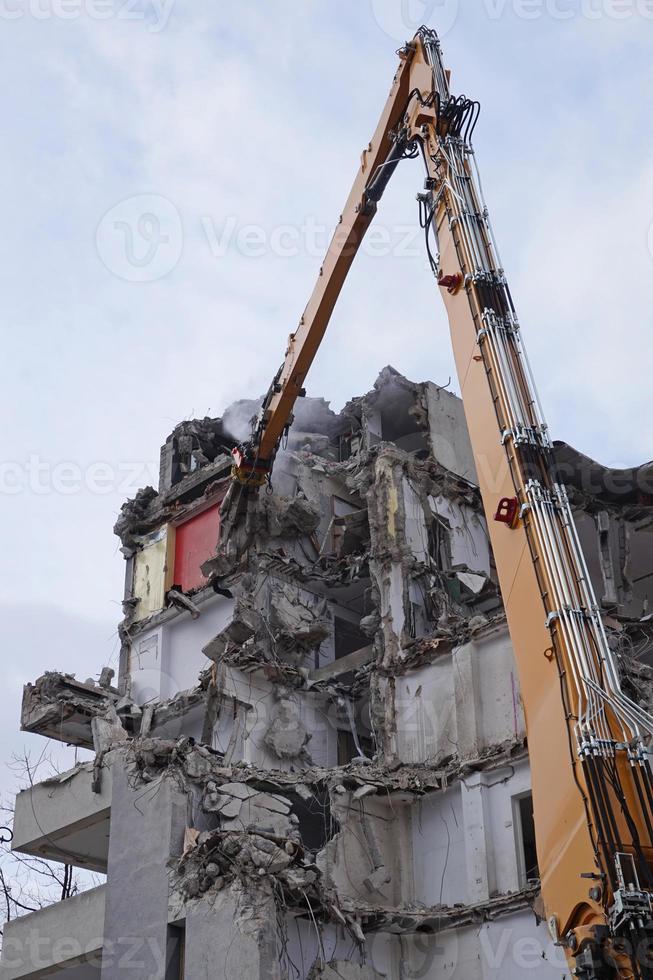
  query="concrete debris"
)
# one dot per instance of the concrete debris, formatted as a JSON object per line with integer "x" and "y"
{"x": 363, "y": 791}
{"x": 219, "y": 857}
{"x": 61, "y": 707}
{"x": 343, "y": 970}
{"x": 194, "y": 445}
{"x": 182, "y": 601}
{"x": 278, "y": 626}
{"x": 134, "y": 516}
{"x": 473, "y": 583}
{"x": 287, "y": 735}
{"x": 242, "y": 629}
{"x": 106, "y": 677}
{"x": 107, "y": 730}
{"x": 295, "y": 624}
{"x": 242, "y": 807}
{"x": 296, "y": 516}
{"x": 376, "y": 881}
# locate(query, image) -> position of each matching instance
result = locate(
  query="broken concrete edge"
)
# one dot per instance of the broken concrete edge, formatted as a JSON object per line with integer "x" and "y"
{"x": 258, "y": 845}
{"x": 197, "y": 763}
{"x": 59, "y": 707}
{"x": 262, "y": 865}
{"x": 196, "y": 443}
{"x": 438, "y": 918}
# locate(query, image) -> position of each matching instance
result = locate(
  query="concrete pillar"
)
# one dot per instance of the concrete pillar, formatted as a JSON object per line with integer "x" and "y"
{"x": 478, "y": 842}
{"x": 225, "y": 939}
{"x": 147, "y": 828}
{"x": 466, "y": 693}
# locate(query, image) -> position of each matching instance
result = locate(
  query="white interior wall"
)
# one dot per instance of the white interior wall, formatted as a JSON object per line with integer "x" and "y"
{"x": 462, "y": 703}
{"x": 168, "y": 658}
{"x": 438, "y": 833}
{"x": 465, "y": 839}
{"x": 512, "y": 947}
{"x": 468, "y": 536}
{"x": 497, "y": 690}
{"x": 502, "y": 787}
{"x": 426, "y": 713}
{"x": 334, "y": 943}
{"x": 416, "y": 532}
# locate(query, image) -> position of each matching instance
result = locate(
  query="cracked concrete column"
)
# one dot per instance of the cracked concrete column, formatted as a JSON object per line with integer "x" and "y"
{"x": 478, "y": 848}
{"x": 465, "y": 677}
{"x": 387, "y": 527}
{"x": 147, "y": 828}
{"x": 224, "y": 941}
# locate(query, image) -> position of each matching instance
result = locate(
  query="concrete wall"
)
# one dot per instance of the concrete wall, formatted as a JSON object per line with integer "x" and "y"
{"x": 370, "y": 858}
{"x": 450, "y": 443}
{"x": 513, "y": 947}
{"x": 333, "y": 944}
{"x": 150, "y": 573}
{"x": 62, "y": 819}
{"x": 464, "y": 840}
{"x": 55, "y": 938}
{"x": 223, "y": 941}
{"x": 438, "y": 849}
{"x": 469, "y": 541}
{"x": 168, "y": 658}
{"x": 463, "y": 703}
{"x": 427, "y": 722}
{"x": 147, "y": 827}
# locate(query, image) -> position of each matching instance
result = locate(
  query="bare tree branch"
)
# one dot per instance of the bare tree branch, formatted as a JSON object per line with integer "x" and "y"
{"x": 29, "y": 883}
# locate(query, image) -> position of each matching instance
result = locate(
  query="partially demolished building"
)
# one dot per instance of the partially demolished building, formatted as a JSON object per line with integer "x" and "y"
{"x": 313, "y": 761}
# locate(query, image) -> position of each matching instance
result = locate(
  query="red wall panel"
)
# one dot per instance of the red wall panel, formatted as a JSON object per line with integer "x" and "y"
{"x": 195, "y": 541}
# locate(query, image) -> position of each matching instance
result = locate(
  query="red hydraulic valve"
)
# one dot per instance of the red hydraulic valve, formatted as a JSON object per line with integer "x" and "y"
{"x": 451, "y": 283}
{"x": 508, "y": 511}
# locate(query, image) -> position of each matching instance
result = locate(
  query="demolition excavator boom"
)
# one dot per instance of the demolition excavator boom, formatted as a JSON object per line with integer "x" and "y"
{"x": 591, "y": 778}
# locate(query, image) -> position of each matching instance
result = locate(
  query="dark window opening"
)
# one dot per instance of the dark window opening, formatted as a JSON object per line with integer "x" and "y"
{"x": 175, "y": 952}
{"x": 317, "y": 825}
{"x": 349, "y": 444}
{"x": 527, "y": 852}
{"x": 348, "y": 637}
{"x": 439, "y": 544}
{"x": 347, "y": 750}
{"x": 402, "y": 422}
{"x": 412, "y": 619}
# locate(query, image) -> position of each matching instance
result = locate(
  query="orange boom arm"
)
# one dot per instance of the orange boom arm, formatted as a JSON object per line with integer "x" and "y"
{"x": 592, "y": 785}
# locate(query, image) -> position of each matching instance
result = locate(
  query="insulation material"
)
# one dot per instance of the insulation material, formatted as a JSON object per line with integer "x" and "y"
{"x": 150, "y": 572}
{"x": 195, "y": 542}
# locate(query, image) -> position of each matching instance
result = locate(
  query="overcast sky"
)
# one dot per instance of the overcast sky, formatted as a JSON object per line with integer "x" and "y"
{"x": 169, "y": 173}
